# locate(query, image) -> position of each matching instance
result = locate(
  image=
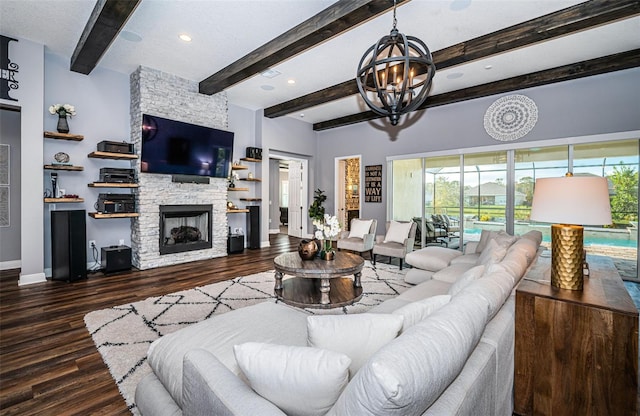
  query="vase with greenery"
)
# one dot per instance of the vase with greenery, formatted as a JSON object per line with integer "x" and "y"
{"x": 326, "y": 230}
{"x": 63, "y": 111}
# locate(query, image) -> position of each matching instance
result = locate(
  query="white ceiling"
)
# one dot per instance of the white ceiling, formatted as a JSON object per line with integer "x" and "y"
{"x": 225, "y": 30}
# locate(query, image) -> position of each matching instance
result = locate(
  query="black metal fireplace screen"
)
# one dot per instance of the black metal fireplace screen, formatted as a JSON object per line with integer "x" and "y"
{"x": 185, "y": 228}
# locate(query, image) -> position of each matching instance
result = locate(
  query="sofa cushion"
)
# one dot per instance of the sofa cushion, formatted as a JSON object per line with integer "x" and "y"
{"x": 467, "y": 277}
{"x": 408, "y": 374}
{"x": 299, "y": 380}
{"x": 466, "y": 258}
{"x": 492, "y": 253}
{"x": 218, "y": 335}
{"x": 502, "y": 238}
{"x": 424, "y": 290}
{"x": 417, "y": 311}
{"x": 417, "y": 276}
{"x": 453, "y": 272}
{"x": 432, "y": 258}
{"x": 533, "y": 235}
{"x": 358, "y": 336}
{"x": 397, "y": 232}
{"x": 359, "y": 228}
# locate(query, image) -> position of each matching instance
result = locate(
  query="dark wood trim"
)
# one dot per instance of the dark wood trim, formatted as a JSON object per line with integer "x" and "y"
{"x": 610, "y": 63}
{"x": 10, "y": 107}
{"x": 572, "y": 19}
{"x": 104, "y": 24}
{"x": 340, "y": 17}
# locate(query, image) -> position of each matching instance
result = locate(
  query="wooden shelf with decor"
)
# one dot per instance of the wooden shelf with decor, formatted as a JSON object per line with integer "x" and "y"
{"x": 64, "y": 167}
{"x": 250, "y": 159}
{"x": 237, "y": 211}
{"x": 251, "y": 199}
{"x": 239, "y": 167}
{"x": 110, "y": 155}
{"x": 99, "y": 215}
{"x": 236, "y": 189}
{"x": 251, "y": 179}
{"x": 112, "y": 185}
{"x": 63, "y": 136}
{"x": 62, "y": 200}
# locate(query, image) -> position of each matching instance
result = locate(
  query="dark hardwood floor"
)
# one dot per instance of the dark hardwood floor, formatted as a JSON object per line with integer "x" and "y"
{"x": 48, "y": 362}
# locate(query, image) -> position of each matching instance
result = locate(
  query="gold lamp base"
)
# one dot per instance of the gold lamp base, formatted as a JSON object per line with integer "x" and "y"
{"x": 567, "y": 256}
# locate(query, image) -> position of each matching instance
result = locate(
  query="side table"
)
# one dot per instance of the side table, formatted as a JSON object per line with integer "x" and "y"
{"x": 576, "y": 352}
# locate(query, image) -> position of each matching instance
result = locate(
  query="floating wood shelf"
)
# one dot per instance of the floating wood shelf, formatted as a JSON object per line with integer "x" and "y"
{"x": 237, "y": 211}
{"x": 99, "y": 215}
{"x": 63, "y": 136}
{"x": 62, "y": 200}
{"x": 239, "y": 167}
{"x": 251, "y": 179}
{"x": 237, "y": 189}
{"x": 250, "y": 159}
{"x": 251, "y": 199}
{"x": 110, "y": 155}
{"x": 63, "y": 167}
{"x": 112, "y": 185}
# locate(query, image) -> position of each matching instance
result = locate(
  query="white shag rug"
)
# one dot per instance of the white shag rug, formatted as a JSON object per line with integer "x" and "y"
{"x": 123, "y": 333}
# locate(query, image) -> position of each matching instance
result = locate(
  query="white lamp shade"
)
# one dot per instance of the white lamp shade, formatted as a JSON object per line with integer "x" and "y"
{"x": 580, "y": 200}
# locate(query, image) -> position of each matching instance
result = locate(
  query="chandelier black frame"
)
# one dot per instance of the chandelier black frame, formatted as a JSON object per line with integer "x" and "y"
{"x": 394, "y": 75}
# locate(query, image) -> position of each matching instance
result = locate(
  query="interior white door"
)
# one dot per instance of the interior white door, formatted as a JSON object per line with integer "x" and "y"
{"x": 295, "y": 199}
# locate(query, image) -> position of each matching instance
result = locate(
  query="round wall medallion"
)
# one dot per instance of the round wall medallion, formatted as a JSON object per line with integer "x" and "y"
{"x": 511, "y": 117}
{"x": 61, "y": 157}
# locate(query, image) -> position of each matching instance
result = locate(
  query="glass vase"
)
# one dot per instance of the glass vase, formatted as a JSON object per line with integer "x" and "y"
{"x": 63, "y": 126}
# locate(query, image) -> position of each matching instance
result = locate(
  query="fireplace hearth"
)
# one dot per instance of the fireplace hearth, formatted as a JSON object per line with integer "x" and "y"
{"x": 185, "y": 228}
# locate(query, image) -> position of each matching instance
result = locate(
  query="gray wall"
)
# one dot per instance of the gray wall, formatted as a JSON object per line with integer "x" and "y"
{"x": 601, "y": 104}
{"x": 102, "y": 105}
{"x": 10, "y": 236}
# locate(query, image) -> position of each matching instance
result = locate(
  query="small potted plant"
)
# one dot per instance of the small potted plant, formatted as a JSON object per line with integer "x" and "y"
{"x": 327, "y": 229}
{"x": 63, "y": 111}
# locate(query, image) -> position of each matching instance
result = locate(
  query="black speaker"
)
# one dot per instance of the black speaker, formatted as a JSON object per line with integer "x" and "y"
{"x": 115, "y": 259}
{"x": 235, "y": 243}
{"x": 68, "y": 245}
{"x": 253, "y": 227}
{"x": 254, "y": 153}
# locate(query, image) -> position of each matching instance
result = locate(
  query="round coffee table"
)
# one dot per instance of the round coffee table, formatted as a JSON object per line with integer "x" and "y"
{"x": 318, "y": 283}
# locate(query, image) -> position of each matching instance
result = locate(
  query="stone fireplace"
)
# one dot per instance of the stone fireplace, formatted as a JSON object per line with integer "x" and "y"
{"x": 184, "y": 228}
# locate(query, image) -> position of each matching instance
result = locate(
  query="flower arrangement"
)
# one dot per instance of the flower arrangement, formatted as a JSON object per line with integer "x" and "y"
{"x": 326, "y": 229}
{"x": 63, "y": 110}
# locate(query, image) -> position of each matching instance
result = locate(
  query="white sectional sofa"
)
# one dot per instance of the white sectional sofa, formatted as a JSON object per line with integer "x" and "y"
{"x": 443, "y": 347}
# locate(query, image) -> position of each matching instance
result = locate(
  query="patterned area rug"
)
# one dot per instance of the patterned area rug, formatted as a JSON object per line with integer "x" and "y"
{"x": 123, "y": 333}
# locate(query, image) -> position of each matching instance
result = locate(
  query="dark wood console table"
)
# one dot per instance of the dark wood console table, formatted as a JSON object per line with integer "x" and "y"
{"x": 576, "y": 352}
{"x": 318, "y": 283}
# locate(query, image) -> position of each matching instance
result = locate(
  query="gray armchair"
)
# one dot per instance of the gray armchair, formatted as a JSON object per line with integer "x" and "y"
{"x": 355, "y": 243}
{"x": 395, "y": 248}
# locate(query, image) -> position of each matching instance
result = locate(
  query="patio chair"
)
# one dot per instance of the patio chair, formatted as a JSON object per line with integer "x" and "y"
{"x": 360, "y": 238}
{"x": 397, "y": 242}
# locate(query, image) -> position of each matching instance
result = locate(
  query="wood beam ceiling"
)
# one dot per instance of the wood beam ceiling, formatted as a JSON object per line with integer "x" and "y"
{"x": 335, "y": 19}
{"x": 106, "y": 20}
{"x": 572, "y": 19}
{"x": 611, "y": 63}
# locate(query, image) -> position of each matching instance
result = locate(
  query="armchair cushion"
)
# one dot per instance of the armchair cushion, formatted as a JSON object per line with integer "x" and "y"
{"x": 299, "y": 380}
{"x": 359, "y": 228}
{"x": 398, "y": 232}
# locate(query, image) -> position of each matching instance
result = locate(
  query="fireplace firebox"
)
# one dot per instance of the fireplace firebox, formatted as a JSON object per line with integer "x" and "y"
{"x": 185, "y": 228}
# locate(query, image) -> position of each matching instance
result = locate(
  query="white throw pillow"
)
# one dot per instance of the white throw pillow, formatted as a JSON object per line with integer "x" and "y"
{"x": 358, "y": 336}
{"x": 299, "y": 380}
{"x": 492, "y": 253}
{"x": 467, "y": 277}
{"x": 359, "y": 228}
{"x": 415, "y": 312}
{"x": 397, "y": 232}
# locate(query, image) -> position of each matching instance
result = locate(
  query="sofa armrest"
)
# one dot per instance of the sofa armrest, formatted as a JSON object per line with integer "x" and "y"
{"x": 368, "y": 240}
{"x": 470, "y": 247}
{"x": 210, "y": 388}
{"x": 343, "y": 234}
{"x": 379, "y": 239}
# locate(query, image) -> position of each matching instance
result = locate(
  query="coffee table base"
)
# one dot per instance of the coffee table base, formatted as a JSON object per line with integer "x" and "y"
{"x": 307, "y": 293}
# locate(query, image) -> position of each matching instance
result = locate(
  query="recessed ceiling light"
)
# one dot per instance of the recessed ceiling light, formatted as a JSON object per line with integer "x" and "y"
{"x": 455, "y": 75}
{"x": 267, "y": 87}
{"x": 270, "y": 73}
{"x": 301, "y": 115}
{"x": 488, "y": 66}
{"x": 130, "y": 36}
{"x": 185, "y": 37}
{"x": 291, "y": 81}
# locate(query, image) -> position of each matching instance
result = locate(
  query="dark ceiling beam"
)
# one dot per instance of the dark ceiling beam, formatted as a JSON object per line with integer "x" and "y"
{"x": 572, "y": 19}
{"x": 611, "y": 63}
{"x": 340, "y": 17}
{"x": 106, "y": 20}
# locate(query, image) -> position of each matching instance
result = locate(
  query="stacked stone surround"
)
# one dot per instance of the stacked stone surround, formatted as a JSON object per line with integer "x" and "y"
{"x": 165, "y": 95}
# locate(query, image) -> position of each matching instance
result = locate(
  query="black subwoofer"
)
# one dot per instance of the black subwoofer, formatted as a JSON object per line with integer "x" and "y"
{"x": 115, "y": 259}
{"x": 68, "y": 245}
{"x": 253, "y": 227}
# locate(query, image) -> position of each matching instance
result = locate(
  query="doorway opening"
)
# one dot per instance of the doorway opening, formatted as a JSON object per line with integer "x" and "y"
{"x": 348, "y": 189}
{"x": 288, "y": 196}
{"x": 10, "y": 217}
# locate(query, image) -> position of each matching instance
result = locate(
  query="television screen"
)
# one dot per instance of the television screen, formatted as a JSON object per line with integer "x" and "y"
{"x": 177, "y": 148}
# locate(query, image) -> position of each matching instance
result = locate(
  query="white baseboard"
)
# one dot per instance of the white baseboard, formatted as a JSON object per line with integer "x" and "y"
{"x": 12, "y": 264}
{"x": 29, "y": 279}
{"x": 274, "y": 231}
{"x": 264, "y": 244}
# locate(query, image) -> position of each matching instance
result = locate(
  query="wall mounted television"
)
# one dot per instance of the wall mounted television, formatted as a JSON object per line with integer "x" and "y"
{"x": 177, "y": 148}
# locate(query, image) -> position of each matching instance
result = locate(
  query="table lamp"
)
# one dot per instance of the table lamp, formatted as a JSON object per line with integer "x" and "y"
{"x": 570, "y": 202}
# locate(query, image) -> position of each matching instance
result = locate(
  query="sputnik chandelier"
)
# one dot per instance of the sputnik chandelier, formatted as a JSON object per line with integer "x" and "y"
{"x": 395, "y": 74}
